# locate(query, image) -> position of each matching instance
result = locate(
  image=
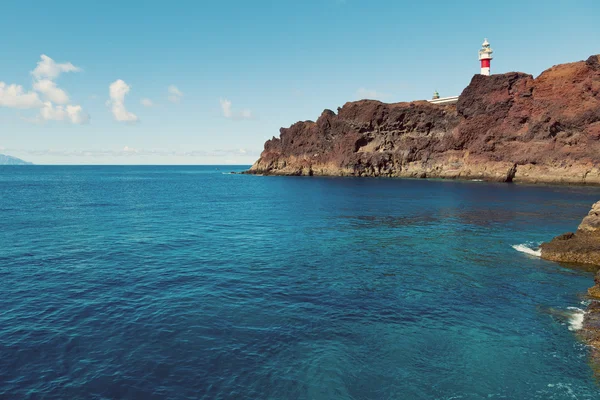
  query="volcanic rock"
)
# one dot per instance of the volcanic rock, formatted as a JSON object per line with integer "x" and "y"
{"x": 582, "y": 246}
{"x": 506, "y": 127}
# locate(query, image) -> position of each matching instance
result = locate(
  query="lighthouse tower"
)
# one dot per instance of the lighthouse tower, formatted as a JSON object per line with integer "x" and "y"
{"x": 485, "y": 56}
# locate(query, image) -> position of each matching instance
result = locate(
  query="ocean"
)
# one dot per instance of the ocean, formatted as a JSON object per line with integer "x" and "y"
{"x": 189, "y": 282}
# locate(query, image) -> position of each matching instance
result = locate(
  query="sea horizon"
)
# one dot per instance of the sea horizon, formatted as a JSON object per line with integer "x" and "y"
{"x": 300, "y": 200}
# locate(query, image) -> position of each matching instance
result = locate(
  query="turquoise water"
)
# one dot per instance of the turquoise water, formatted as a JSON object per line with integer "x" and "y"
{"x": 185, "y": 282}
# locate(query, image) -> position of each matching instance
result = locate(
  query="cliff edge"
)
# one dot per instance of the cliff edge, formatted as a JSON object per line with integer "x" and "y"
{"x": 508, "y": 127}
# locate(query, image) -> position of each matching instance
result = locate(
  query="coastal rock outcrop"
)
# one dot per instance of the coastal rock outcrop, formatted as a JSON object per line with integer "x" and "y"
{"x": 506, "y": 127}
{"x": 582, "y": 246}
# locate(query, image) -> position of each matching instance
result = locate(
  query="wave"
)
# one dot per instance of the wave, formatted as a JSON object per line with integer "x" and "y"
{"x": 575, "y": 318}
{"x": 528, "y": 248}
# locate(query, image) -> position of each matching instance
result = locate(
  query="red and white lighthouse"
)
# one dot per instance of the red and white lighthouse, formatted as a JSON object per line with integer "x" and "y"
{"x": 485, "y": 56}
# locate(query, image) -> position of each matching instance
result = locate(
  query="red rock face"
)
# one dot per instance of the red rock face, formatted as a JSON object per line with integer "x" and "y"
{"x": 504, "y": 127}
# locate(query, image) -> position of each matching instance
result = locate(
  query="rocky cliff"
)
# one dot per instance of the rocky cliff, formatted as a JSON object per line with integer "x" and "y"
{"x": 583, "y": 246}
{"x": 508, "y": 127}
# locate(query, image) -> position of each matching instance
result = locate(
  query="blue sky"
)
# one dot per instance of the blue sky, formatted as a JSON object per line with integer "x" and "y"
{"x": 207, "y": 82}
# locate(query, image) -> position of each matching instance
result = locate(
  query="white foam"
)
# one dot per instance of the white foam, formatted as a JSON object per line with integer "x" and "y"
{"x": 576, "y": 318}
{"x": 528, "y": 249}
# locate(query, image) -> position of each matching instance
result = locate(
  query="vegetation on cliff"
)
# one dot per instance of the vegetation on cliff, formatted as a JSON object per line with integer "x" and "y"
{"x": 504, "y": 127}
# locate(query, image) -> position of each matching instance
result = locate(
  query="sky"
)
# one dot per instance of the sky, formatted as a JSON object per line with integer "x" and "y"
{"x": 207, "y": 82}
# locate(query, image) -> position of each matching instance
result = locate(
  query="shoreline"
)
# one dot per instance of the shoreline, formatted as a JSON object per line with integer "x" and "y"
{"x": 581, "y": 250}
{"x": 508, "y": 127}
{"x": 474, "y": 178}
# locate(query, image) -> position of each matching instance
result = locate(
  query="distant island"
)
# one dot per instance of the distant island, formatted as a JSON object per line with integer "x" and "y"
{"x": 505, "y": 127}
{"x": 8, "y": 160}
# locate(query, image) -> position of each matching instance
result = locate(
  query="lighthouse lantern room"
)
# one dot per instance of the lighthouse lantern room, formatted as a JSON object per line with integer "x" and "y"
{"x": 485, "y": 56}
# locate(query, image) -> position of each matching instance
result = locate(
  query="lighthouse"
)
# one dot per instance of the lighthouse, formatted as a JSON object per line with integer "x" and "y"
{"x": 485, "y": 56}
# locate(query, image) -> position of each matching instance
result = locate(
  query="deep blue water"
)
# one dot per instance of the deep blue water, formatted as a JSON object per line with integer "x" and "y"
{"x": 185, "y": 283}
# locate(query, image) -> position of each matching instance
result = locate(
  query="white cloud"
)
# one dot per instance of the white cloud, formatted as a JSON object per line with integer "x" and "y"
{"x": 47, "y": 68}
{"x": 77, "y": 115}
{"x": 117, "y": 91}
{"x": 51, "y": 91}
{"x": 228, "y": 112}
{"x": 44, "y": 74}
{"x": 122, "y": 115}
{"x": 363, "y": 93}
{"x": 147, "y": 102}
{"x": 13, "y": 96}
{"x": 175, "y": 94}
{"x": 174, "y": 91}
{"x": 69, "y": 113}
{"x": 226, "y": 107}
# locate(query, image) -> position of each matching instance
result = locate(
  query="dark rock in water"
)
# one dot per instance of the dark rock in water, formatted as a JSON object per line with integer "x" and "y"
{"x": 507, "y": 127}
{"x": 582, "y": 246}
{"x": 590, "y": 332}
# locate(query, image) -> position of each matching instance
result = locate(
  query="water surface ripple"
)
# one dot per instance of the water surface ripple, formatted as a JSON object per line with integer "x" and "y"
{"x": 186, "y": 283}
